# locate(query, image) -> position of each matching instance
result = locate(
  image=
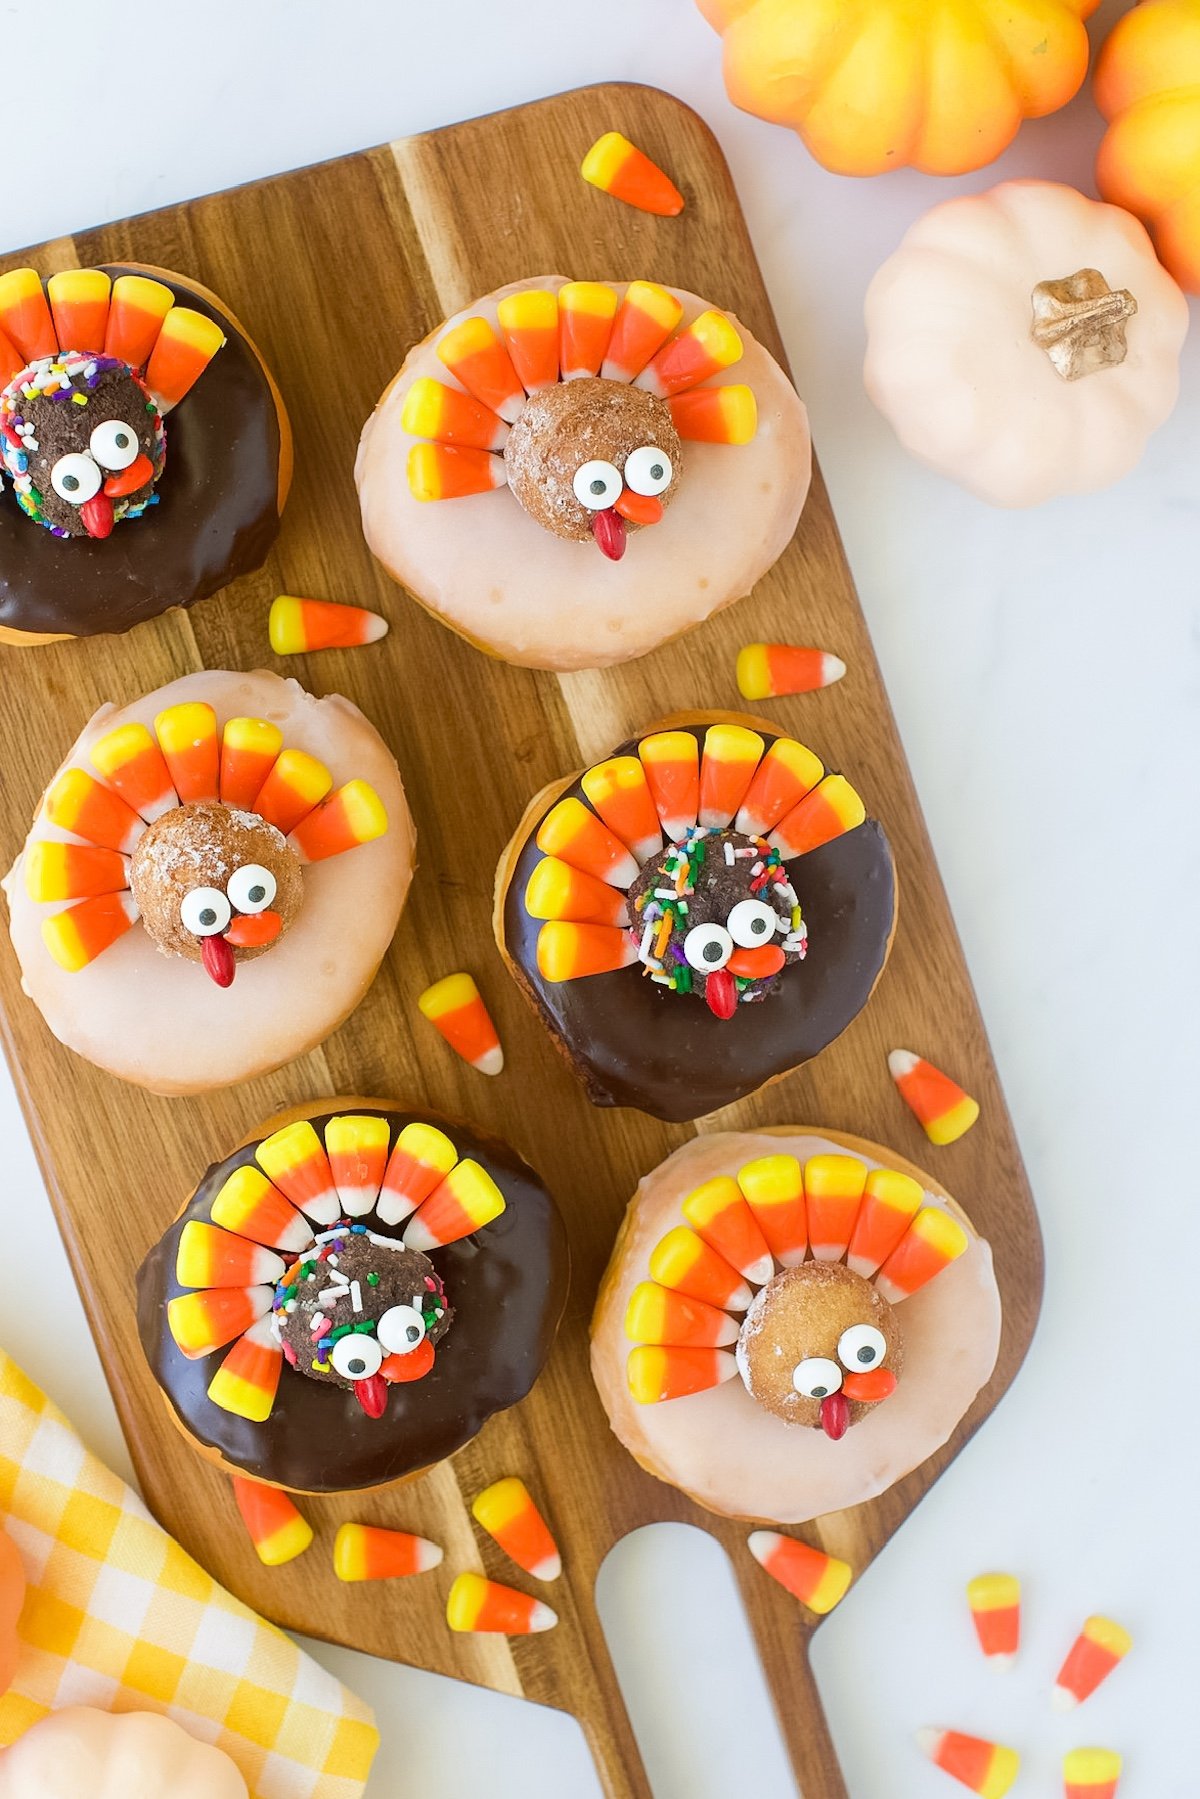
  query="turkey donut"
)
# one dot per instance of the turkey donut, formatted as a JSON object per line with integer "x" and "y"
{"x": 350, "y": 1296}
{"x": 111, "y": 510}
{"x": 568, "y": 473}
{"x": 792, "y": 1320}
{"x": 211, "y": 881}
{"x": 704, "y": 910}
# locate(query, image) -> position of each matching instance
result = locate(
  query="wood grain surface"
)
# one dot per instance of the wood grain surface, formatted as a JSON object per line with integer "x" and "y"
{"x": 336, "y": 271}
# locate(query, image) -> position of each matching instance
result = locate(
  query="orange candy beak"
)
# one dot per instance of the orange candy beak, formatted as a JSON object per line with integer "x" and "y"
{"x": 870, "y": 1387}
{"x": 756, "y": 964}
{"x": 254, "y": 930}
{"x": 639, "y": 508}
{"x": 130, "y": 479}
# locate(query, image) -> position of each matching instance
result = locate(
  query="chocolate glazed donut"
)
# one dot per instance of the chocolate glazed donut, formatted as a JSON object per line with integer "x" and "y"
{"x": 229, "y": 459}
{"x": 632, "y": 1044}
{"x": 507, "y": 1284}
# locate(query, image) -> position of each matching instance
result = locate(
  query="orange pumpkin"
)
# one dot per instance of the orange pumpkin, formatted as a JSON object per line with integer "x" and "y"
{"x": 1148, "y": 86}
{"x": 871, "y": 85}
{"x": 12, "y": 1598}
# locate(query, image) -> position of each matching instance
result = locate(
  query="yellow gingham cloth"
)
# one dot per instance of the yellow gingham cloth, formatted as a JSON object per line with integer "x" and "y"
{"x": 117, "y": 1616}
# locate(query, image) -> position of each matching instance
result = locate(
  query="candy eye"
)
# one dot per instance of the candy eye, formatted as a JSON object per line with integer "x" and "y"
{"x": 597, "y": 485}
{"x": 75, "y": 478}
{"x": 356, "y": 1357}
{"x": 817, "y": 1377}
{"x": 252, "y": 887}
{"x": 114, "y": 444}
{"x": 205, "y": 911}
{"x": 752, "y": 922}
{"x": 648, "y": 470}
{"x": 708, "y": 947}
{"x": 861, "y": 1347}
{"x": 401, "y": 1329}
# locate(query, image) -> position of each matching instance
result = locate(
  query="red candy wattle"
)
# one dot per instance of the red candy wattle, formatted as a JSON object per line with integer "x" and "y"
{"x": 218, "y": 960}
{"x": 372, "y": 1395}
{"x": 835, "y": 1416}
{"x": 97, "y": 515}
{"x": 608, "y": 528}
{"x": 720, "y": 991}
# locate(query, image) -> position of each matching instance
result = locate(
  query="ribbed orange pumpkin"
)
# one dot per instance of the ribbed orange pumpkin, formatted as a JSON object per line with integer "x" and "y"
{"x": 871, "y": 85}
{"x": 1148, "y": 86}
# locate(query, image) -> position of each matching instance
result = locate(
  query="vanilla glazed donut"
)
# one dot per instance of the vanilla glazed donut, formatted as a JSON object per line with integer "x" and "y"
{"x": 656, "y": 460}
{"x": 212, "y": 880}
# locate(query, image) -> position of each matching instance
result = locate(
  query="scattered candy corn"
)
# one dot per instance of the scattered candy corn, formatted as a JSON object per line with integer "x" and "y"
{"x": 891, "y": 1201}
{"x": 476, "y": 1604}
{"x": 932, "y": 1241}
{"x": 135, "y": 317}
{"x": 352, "y": 816}
{"x": 476, "y": 357}
{"x": 1100, "y": 1645}
{"x": 249, "y": 1205}
{"x": 786, "y": 773}
{"x": 454, "y": 1005}
{"x": 191, "y": 746}
{"x": 574, "y": 834}
{"x": 586, "y": 310}
{"x": 294, "y": 1158}
{"x": 529, "y": 322}
{"x": 818, "y": 1580}
{"x": 661, "y": 1315}
{"x": 658, "y": 1372}
{"x": 768, "y": 671}
{"x": 988, "y": 1769}
{"x": 248, "y": 1379}
{"x": 1091, "y": 1773}
{"x": 295, "y": 626}
{"x": 774, "y": 1190}
{"x": 942, "y": 1109}
{"x": 79, "y": 304}
{"x": 367, "y": 1552}
{"x": 671, "y": 760}
{"x": 277, "y": 1530}
{"x": 731, "y": 756}
{"x": 567, "y": 952}
{"x": 717, "y": 1212}
{"x": 829, "y": 811}
{"x": 683, "y": 1261}
{"x": 708, "y": 345}
{"x": 421, "y": 1159}
{"x": 507, "y": 1512}
{"x": 358, "y": 1154}
{"x": 620, "y": 793}
{"x": 183, "y": 350}
{"x": 833, "y": 1188}
{"x": 556, "y": 890}
{"x": 79, "y": 934}
{"x": 995, "y": 1602}
{"x": 467, "y": 1199}
{"x": 619, "y": 168}
{"x": 645, "y": 319}
{"x": 207, "y": 1256}
{"x": 296, "y": 784}
{"x": 249, "y": 751}
{"x": 202, "y": 1322}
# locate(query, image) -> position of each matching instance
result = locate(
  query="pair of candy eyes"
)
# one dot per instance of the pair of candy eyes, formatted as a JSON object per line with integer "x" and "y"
{"x": 599, "y": 485}
{"x": 77, "y": 477}
{"x": 859, "y": 1348}
{"x": 399, "y": 1332}
{"x": 206, "y": 911}
{"x": 751, "y": 923}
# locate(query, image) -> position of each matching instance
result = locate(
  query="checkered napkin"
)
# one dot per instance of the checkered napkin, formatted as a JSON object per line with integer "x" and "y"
{"x": 117, "y": 1616}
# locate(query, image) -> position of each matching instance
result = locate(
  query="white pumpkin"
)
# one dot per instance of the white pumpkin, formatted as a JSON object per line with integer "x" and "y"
{"x": 1025, "y": 342}
{"x": 81, "y": 1753}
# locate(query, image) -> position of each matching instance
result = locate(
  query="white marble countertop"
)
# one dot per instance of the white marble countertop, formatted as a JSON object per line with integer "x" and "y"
{"x": 1045, "y": 671}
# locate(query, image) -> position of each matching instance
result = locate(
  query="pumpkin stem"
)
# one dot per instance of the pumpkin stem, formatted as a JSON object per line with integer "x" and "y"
{"x": 1080, "y": 323}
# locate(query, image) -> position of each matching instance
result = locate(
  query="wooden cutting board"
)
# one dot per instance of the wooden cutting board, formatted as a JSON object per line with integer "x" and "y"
{"x": 336, "y": 271}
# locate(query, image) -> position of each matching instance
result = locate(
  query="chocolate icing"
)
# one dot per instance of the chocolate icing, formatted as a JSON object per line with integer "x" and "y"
{"x": 507, "y": 1284}
{"x": 217, "y": 515}
{"x": 635, "y": 1044}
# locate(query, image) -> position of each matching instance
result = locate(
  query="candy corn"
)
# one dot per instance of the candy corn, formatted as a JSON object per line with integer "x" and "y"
{"x": 421, "y": 1159}
{"x": 186, "y": 345}
{"x": 66, "y": 871}
{"x": 731, "y": 755}
{"x": 567, "y": 952}
{"x": 296, "y": 784}
{"x": 250, "y": 1206}
{"x": 352, "y": 816}
{"x": 718, "y": 1213}
{"x": 476, "y": 357}
{"x": 988, "y": 1769}
{"x": 586, "y": 310}
{"x": 187, "y": 736}
{"x": 671, "y": 760}
{"x": 619, "y": 791}
{"x": 79, "y": 304}
{"x": 246, "y": 1382}
{"x": 786, "y": 773}
{"x": 939, "y": 1104}
{"x": 296, "y": 626}
{"x": 249, "y": 749}
{"x": 833, "y": 1188}
{"x": 619, "y": 168}
{"x": 277, "y": 1530}
{"x": 683, "y": 1261}
{"x": 659, "y": 1315}
{"x": 891, "y": 1201}
{"x": 11, "y": 359}
{"x": 79, "y": 804}
{"x": 507, "y": 1512}
{"x": 1091, "y": 1773}
{"x": 446, "y": 414}
{"x": 444, "y": 472}
{"x": 767, "y": 671}
{"x": 716, "y": 415}
{"x": 366, "y": 1552}
{"x": 476, "y": 1604}
{"x": 708, "y": 345}
{"x": 830, "y": 810}
{"x": 78, "y": 935}
{"x": 995, "y": 1602}
{"x": 358, "y": 1154}
{"x": 1100, "y": 1645}
{"x": 818, "y": 1581}
{"x": 294, "y": 1158}
{"x": 467, "y": 1199}
{"x": 454, "y": 1005}
{"x": 135, "y": 316}
{"x": 660, "y": 1372}
{"x": 131, "y": 762}
{"x": 645, "y": 319}
{"x": 932, "y": 1241}
{"x": 202, "y": 1322}
{"x": 556, "y": 890}
{"x": 25, "y": 315}
{"x": 529, "y": 322}
{"x": 577, "y": 836}
{"x": 774, "y": 1190}
{"x": 208, "y": 1256}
